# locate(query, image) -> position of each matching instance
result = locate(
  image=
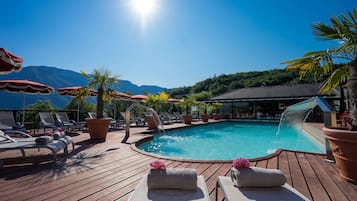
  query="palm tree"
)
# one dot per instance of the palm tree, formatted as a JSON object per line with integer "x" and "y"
{"x": 155, "y": 101}
{"x": 102, "y": 80}
{"x": 338, "y": 65}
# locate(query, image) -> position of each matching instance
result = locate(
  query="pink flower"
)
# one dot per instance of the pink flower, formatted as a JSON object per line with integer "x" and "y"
{"x": 49, "y": 133}
{"x": 157, "y": 165}
{"x": 240, "y": 163}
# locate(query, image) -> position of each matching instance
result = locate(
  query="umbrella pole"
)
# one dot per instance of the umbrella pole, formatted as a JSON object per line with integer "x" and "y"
{"x": 78, "y": 111}
{"x": 114, "y": 110}
{"x": 23, "y": 109}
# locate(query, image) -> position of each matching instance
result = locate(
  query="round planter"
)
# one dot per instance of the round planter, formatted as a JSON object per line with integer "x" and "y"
{"x": 152, "y": 123}
{"x": 216, "y": 116}
{"x": 204, "y": 117}
{"x": 187, "y": 119}
{"x": 343, "y": 144}
{"x": 98, "y": 128}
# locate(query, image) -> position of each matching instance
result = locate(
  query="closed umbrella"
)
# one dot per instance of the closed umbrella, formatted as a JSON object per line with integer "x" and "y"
{"x": 119, "y": 95}
{"x": 76, "y": 91}
{"x": 173, "y": 100}
{"x": 9, "y": 62}
{"x": 25, "y": 87}
{"x": 138, "y": 97}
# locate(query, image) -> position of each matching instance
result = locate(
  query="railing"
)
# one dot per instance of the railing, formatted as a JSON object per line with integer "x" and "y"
{"x": 31, "y": 120}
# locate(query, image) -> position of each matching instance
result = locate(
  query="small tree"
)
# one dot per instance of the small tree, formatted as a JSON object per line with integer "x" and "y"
{"x": 82, "y": 104}
{"x": 102, "y": 80}
{"x": 155, "y": 101}
{"x": 343, "y": 30}
{"x": 202, "y": 107}
{"x": 187, "y": 103}
{"x": 215, "y": 107}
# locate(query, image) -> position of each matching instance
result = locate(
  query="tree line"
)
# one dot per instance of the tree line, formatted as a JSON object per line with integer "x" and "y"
{"x": 225, "y": 83}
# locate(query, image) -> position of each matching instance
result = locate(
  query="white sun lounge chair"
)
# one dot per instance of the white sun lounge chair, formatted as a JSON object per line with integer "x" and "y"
{"x": 47, "y": 121}
{"x": 134, "y": 119}
{"x": 7, "y": 122}
{"x": 232, "y": 193}
{"x": 142, "y": 192}
{"x": 28, "y": 142}
{"x": 113, "y": 123}
{"x": 64, "y": 120}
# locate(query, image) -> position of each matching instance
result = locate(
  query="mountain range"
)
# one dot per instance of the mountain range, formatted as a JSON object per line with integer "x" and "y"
{"x": 57, "y": 78}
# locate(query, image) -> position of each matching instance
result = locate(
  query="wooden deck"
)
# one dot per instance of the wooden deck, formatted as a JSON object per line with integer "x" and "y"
{"x": 111, "y": 170}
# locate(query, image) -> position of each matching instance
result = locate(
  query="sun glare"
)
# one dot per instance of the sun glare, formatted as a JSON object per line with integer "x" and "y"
{"x": 144, "y": 8}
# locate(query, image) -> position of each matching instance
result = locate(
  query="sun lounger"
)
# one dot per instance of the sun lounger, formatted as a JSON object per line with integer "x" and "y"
{"x": 113, "y": 123}
{"x": 9, "y": 143}
{"x": 7, "y": 122}
{"x": 64, "y": 120}
{"x": 134, "y": 119}
{"x": 47, "y": 121}
{"x": 233, "y": 193}
{"x": 142, "y": 191}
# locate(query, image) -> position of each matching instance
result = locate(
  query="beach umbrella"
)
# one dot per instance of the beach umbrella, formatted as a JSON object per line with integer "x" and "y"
{"x": 75, "y": 91}
{"x": 138, "y": 97}
{"x": 9, "y": 62}
{"x": 25, "y": 87}
{"x": 173, "y": 100}
{"x": 119, "y": 95}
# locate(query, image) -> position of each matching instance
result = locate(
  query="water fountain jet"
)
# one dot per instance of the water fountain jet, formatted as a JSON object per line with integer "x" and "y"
{"x": 295, "y": 115}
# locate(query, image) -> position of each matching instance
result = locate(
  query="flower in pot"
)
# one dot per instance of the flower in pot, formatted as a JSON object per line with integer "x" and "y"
{"x": 215, "y": 108}
{"x": 203, "y": 110}
{"x": 186, "y": 105}
{"x": 338, "y": 67}
{"x": 102, "y": 80}
{"x": 155, "y": 101}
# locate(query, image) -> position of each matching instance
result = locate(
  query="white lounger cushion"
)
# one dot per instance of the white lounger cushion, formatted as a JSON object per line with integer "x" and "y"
{"x": 173, "y": 178}
{"x": 283, "y": 193}
{"x": 257, "y": 177}
{"x": 142, "y": 192}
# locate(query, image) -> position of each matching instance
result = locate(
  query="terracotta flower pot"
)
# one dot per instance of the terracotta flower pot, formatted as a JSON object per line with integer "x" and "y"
{"x": 187, "y": 119}
{"x": 204, "y": 117}
{"x": 98, "y": 128}
{"x": 152, "y": 123}
{"x": 343, "y": 144}
{"x": 216, "y": 116}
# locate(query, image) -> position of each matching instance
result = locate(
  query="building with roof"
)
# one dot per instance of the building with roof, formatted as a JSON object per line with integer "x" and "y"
{"x": 269, "y": 101}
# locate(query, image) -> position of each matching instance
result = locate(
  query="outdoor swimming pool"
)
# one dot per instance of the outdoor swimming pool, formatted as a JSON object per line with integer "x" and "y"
{"x": 229, "y": 140}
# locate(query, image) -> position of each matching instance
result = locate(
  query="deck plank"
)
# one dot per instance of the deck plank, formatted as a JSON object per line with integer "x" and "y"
{"x": 56, "y": 177}
{"x": 325, "y": 168}
{"x": 64, "y": 182}
{"x": 297, "y": 176}
{"x": 316, "y": 189}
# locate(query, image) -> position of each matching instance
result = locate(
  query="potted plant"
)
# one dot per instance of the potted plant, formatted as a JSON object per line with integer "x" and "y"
{"x": 155, "y": 101}
{"x": 215, "y": 108}
{"x": 339, "y": 67}
{"x": 101, "y": 80}
{"x": 202, "y": 109}
{"x": 186, "y": 105}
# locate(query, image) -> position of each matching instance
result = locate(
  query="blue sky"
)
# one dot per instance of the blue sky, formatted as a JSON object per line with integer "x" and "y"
{"x": 180, "y": 43}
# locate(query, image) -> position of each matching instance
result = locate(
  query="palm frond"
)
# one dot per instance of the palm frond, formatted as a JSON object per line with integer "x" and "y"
{"x": 337, "y": 78}
{"x": 325, "y": 32}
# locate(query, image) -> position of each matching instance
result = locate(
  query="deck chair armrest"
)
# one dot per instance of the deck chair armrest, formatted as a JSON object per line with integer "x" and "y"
{"x": 17, "y": 132}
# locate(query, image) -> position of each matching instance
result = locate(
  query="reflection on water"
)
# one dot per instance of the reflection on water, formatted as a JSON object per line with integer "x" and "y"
{"x": 229, "y": 140}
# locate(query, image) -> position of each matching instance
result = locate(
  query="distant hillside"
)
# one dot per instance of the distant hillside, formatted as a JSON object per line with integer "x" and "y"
{"x": 58, "y": 78}
{"x": 226, "y": 83}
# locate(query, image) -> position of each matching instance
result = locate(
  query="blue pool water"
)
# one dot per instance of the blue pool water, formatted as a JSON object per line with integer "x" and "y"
{"x": 229, "y": 140}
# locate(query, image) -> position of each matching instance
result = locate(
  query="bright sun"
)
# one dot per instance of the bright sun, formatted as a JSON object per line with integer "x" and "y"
{"x": 144, "y": 8}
